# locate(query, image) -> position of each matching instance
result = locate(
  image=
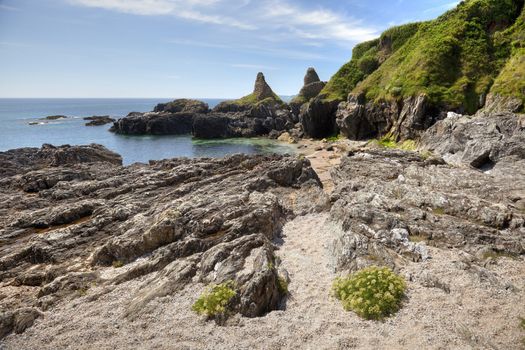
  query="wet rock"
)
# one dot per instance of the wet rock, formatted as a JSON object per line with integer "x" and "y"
{"x": 154, "y": 123}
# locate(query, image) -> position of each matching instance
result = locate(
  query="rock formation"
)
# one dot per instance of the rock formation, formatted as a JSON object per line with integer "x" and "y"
{"x": 69, "y": 221}
{"x": 182, "y": 106}
{"x": 99, "y": 120}
{"x": 311, "y": 88}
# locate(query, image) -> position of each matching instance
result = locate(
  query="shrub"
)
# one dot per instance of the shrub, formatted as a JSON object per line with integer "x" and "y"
{"x": 372, "y": 293}
{"x": 214, "y": 301}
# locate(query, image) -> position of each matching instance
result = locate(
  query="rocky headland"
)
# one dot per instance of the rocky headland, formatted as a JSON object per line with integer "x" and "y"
{"x": 261, "y": 113}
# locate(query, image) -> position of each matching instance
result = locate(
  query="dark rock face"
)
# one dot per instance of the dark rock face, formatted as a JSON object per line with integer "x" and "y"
{"x": 358, "y": 120}
{"x": 259, "y": 120}
{"x": 384, "y": 197}
{"x": 19, "y": 160}
{"x": 154, "y": 123}
{"x": 99, "y": 120}
{"x": 479, "y": 141}
{"x": 182, "y": 106}
{"x": 318, "y": 118}
{"x": 170, "y": 223}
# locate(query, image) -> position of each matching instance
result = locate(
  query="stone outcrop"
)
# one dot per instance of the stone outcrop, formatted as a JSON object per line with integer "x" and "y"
{"x": 162, "y": 227}
{"x": 173, "y": 118}
{"x": 480, "y": 141}
{"x": 258, "y": 120}
{"x": 182, "y": 106}
{"x": 19, "y": 160}
{"x": 393, "y": 204}
{"x": 99, "y": 120}
{"x": 154, "y": 123}
{"x": 407, "y": 119}
{"x": 317, "y": 118}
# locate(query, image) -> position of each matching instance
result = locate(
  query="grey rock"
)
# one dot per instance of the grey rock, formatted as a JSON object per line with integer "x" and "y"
{"x": 99, "y": 120}
{"x": 182, "y": 106}
{"x": 318, "y": 118}
{"x": 480, "y": 141}
{"x": 176, "y": 221}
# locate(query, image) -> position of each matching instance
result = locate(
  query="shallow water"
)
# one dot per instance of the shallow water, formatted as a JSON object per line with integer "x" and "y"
{"x": 16, "y": 131}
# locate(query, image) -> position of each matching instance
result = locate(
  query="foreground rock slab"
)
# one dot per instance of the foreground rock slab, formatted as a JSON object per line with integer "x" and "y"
{"x": 165, "y": 225}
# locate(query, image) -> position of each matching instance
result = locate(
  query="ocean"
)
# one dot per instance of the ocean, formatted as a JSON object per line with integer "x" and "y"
{"x": 16, "y": 115}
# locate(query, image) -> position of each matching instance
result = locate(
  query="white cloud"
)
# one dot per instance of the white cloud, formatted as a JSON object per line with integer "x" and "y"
{"x": 8, "y": 8}
{"x": 267, "y": 16}
{"x": 186, "y": 9}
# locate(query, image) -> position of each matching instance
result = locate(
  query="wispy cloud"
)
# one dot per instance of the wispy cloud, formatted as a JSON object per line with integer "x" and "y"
{"x": 186, "y": 9}
{"x": 266, "y": 16}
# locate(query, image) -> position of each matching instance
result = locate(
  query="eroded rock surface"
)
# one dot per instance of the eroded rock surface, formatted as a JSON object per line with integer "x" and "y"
{"x": 387, "y": 201}
{"x": 164, "y": 225}
{"x": 480, "y": 141}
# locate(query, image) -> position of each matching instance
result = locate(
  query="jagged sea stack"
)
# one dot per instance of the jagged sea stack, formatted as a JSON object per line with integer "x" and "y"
{"x": 311, "y": 88}
{"x": 262, "y": 90}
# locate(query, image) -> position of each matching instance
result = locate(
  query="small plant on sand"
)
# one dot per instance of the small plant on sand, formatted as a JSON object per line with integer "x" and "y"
{"x": 214, "y": 301}
{"x": 373, "y": 293}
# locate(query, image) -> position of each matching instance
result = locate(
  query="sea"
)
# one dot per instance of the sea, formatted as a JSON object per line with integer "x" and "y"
{"x": 22, "y": 124}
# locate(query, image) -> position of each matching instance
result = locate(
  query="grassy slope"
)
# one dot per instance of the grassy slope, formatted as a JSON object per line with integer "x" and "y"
{"x": 252, "y": 100}
{"x": 366, "y": 58}
{"x": 511, "y": 80}
{"x": 453, "y": 59}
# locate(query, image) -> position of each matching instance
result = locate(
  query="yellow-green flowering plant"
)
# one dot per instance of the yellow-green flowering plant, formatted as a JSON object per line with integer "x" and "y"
{"x": 372, "y": 293}
{"x": 215, "y": 299}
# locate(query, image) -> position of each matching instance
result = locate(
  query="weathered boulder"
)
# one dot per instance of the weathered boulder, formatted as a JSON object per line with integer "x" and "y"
{"x": 479, "y": 141}
{"x": 169, "y": 224}
{"x": 182, "y": 106}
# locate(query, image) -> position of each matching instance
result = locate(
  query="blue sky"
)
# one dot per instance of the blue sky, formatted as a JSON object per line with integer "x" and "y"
{"x": 184, "y": 48}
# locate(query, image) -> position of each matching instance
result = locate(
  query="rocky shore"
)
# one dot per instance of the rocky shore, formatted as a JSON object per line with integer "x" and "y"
{"x": 121, "y": 252}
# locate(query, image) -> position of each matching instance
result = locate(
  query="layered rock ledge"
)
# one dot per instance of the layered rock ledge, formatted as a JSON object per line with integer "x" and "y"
{"x": 70, "y": 222}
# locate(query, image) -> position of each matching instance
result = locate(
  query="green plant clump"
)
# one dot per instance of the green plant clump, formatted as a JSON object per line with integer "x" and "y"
{"x": 372, "y": 293}
{"x": 214, "y": 301}
{"x": 282, "y": 285}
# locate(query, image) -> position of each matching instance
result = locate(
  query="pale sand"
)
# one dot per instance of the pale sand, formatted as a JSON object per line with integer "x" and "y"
{"x": 475, "y": 315}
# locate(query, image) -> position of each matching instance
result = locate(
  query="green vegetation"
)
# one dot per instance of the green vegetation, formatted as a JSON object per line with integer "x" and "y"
{"x": 214, "y": 301}
{"x": 455, "y": 59}
{"x": 251, "y": 99}
{"x": 117, "y": 263}
{"x": 438, "y": 211}
{"x": 388, "y": 141}
{"x": 366, "y": 58}
{"x": 334, "y": 138}
{"x": 372, "y": 293}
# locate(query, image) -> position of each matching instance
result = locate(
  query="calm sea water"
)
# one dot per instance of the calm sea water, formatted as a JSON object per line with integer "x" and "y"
{"x": 16, "y": 131}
